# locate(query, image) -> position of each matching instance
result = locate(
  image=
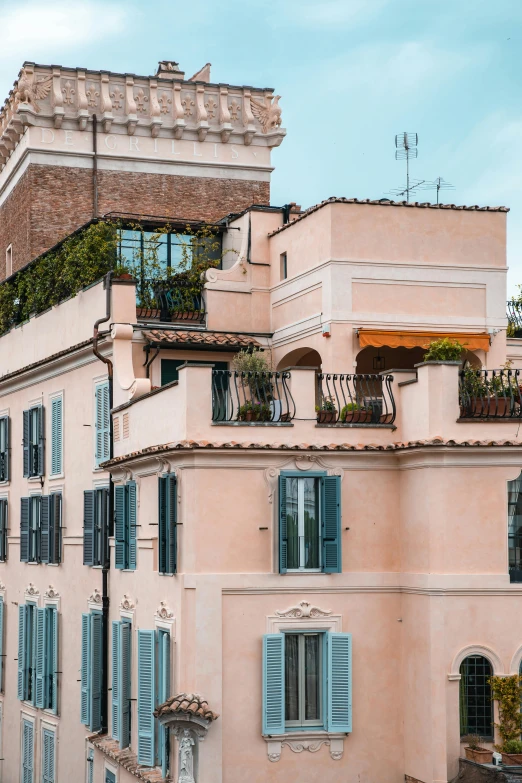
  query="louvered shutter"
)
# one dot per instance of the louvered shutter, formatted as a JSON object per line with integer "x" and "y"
{"x": 41, "y": 659}
{"x": 339, "y": 692}
{"x": 163, "y": 693}
{"x": 48, "y": 754}
{"x": 45, "y": 528}
{"x": 85, "y": 671}
{"x": 90, "y": 765}
{"x": 39, "y": 413}
{"x": 3, "y": 530}
{"x": 125, "y": 682}
{"x": 55, "y": 517}
{"x": 106, "y": 421}
{"x": 116, "y": 696}
{"x": 162, "y": 524}
{"x": 88, "y": 527}
{"x": 120, "y": 509}
{"x": 283, "y": 529}
{"x": 102, "y": 422}
{"x": 172, "y": 541}
{"x": 27, "y": 442}
{"x": 56, "y": 436}
{"x": 96, "y": 659}
{"x": 146, "y": 692}
{"x": 273, "y": 683}
{"x": 27, "y": 752}
{"x": 132, "y": 511}
{"x": 2, "y": 664}
{"x": 4, "y": 448}
{"x": 53, "y": 659}
{"x": 331, "y": 524}
{"x": 22, "y": 641}
{"x": 24, "y": 530}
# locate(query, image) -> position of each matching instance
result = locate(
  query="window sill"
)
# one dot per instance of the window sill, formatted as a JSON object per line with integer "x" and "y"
{"x": 56, "y": 477}
{"x": 299, "y": 741}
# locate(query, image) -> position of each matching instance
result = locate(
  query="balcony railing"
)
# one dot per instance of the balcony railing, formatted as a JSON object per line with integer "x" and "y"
{"x": 251, "y": 397}
{"x": 355, "y": 399}
{"x": 171, "y": 300}
{"x": 490, "y": 394}
{"x": 514, "y": 316}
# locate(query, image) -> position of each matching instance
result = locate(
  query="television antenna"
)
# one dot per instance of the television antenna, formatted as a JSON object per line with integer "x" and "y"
{"x": 413, "y": 185}
{"x": 406, "y": 149}
{"x": 438, "y": 184}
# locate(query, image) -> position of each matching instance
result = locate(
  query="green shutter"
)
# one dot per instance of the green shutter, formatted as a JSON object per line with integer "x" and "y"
{"x": 88, "y": 527}
{"x": 4, "y": 448}
{"x": 162, "y": 524}
{"x": 56, "y": 436}
{"x": 27, "y": 752}
{"x": 41, "y": 659}
{"x": 167, "y": 527}
{"x": 24, "y": 530}
{"x": 102, "y": 423}
{"x": 85, "y": 699}
{"x": 146, "y": 693}
{"x": 3, "y": 530}
{"x": 27, "y": 443}
{"x": 339, "y": 694}
{"x": 45, "y": 528}
{"x": 96, "y": 659}
{"x": 274, "y": 683}
{"x": 116, "y": 698}
{"x": 131, "y": 500}
{"x": 172, "y": 540}
{"x": 39, "y": 413}
{"x": 125, "y": 682}
{"x": 22, "y": 643}
{"x": 55, "y": 519}
{"x": 120, "y": 513}
{"x": 2, "y": 665}
{"x": 48, "y": 756}
{"x": 331, "y": 524}
{"x": 283, "y": 530}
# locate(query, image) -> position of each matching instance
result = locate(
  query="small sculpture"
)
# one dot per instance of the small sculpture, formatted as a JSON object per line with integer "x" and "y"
{"x": 186, "y": 758}
{"x": 30, "y": 89}
{"x": 268, "y": 113}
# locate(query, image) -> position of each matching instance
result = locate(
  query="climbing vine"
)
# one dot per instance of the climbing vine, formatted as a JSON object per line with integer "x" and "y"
{"x": 507, "y": 691}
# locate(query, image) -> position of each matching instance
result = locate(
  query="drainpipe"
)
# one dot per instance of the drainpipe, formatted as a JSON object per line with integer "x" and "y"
{"x": 106, "y": 557}
{"x": 249, "y": 244}
{"x": 94, "y": 167}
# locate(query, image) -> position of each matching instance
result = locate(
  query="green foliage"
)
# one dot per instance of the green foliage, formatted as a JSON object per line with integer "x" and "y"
{"x": 512, "y": 746}
{"x": 444, "y": 350}
{"x": 507, "y": 691}
{"x": 327, "y": 404}
{"x": 351, "y": 408}
{"x": 473, "y": 741}
{"x": 259, "y": 411}
{"x": 251, "y": 361}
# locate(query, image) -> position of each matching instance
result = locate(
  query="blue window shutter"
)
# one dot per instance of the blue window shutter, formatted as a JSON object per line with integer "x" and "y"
{"x": 339, "y": 695}
{"x": 146, "y": 693}
{"x": 22, "y": 641}
{"x": 102, "y": 423}
{"x": 56, "y": 436}
{"x": 96, "y": 658}
{"x": 331, "y": 524}
{"x": 52, "y": 617}
{"x": 3, "y": 530}
{"x": 39, "y": 413}
{"x": 120, "y": 514}
{"x": 27, "y": 442}
{"x": 85, "y": 700}
{"x": 172, "y": 540}
{"x": 125, "y": 682}
{"x": 40, "y": 659}
{"x": 48, "y": 756}
{"x": 131, "y": 497}
{"x": 163, "y": 693}
{"x": 162, "y": 524}
{"x": 55, "y": 517}
{"x": 27, "y": 752}
{"x": 45, "y": 528}
{"x": 2, "y": 666}
{"x": 274, "y": 683}
{"x": 24, "y": 530}
{"x": 116, "y": 685}
{"x": 283, "y": 530}
{"x": 4, "y": 448}
{"x": 88, "y": 527}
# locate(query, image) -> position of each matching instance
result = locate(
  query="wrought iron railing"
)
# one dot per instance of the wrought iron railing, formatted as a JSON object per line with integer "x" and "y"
{"x": 171, "y": 299}
{"x": 514, "y": 316}
{"x": 252, "y": 397}
{"x": 355, "y": 399}
{"x": 490, "y": 394}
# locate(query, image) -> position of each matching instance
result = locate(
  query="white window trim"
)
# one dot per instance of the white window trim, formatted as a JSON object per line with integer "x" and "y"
{"x": 54, "y": 476}
{"x": 112, "y": 768}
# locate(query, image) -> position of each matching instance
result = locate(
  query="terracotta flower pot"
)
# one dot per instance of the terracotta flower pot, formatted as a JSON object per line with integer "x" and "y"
{"x": 358, "y": 417}
{"x": 494, "y": 406}
{"x": 512, "y": 759}
{"x": 480, "y": 755}
{"x": 326, "y": 417}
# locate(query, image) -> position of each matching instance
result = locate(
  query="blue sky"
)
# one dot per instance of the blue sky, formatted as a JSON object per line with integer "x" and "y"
{"x": 351, "y": 73}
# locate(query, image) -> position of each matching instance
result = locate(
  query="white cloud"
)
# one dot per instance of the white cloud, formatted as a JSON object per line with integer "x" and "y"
{"x": 328, "y": 13}
{"x": 35, "y": 29}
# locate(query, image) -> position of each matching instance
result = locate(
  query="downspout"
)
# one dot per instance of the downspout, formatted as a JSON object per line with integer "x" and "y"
{"x": 94, "y": 166}
{"x": 249, "y": 244}
{"x": 106, "y": 552}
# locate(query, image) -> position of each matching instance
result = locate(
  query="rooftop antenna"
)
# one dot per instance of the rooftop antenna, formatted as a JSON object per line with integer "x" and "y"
{"x": 438, "y": 184}
{"x": 406, "y": 149}
{"x": 414, "y": 184}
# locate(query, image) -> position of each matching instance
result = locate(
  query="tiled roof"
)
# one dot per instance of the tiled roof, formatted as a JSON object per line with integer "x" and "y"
{"x": 127, "y": 759}
{"x": 385, "y": 202}
{"x": 212, "y": 339}
{"x": 186, "y": 703}
{"x": 193, "y": 445}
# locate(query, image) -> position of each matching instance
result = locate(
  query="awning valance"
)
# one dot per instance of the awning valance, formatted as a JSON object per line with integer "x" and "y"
{"x": 474, "y": 341}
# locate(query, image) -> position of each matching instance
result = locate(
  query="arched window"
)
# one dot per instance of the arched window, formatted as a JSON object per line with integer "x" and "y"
{"x": 515, "y": 529}
{"x": 476, "y": 707}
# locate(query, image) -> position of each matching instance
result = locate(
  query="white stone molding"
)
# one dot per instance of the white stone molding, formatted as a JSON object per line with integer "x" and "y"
{"x": 311, "y": 741}
{"x": 126, "y": 604}
{"x": 516, "y": 661}
{"x": 475, "y": 649}
{"x": 303, "y": 617}
{"x": 163, "y": 612}
{"x": 95, "y": 600}
{"x": 304, "y": 609}
{"x": 302, "y": 462}
{"x": 31, "y": 593}
{"x": 52, "y": 597}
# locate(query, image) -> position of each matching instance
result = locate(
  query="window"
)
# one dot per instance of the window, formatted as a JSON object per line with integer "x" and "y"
{"x": 309, "y": 523}
{"x": 283, "y": 266}
{"x": 3, "y": 530}
{"x": 41, "y": 529}
{"x": 169, "y": 368}
{"x": 167, "y": 528}
{"x": 91, "y": 670}
{"x": 4, "y": 448}
{"x": 27, "y": 751}
{"x": 125, "y": 525}
{"x": 121, "y": 682}
{"x": 153, "y": 690}
{"x": 33, "y": 441}
{"x": 515, "y": 529}
{"x": 110, "y": 777}
{"x": 171, "y": 251}
{"x": 56, "y": 436}
{"x": 48, "y": 756}
{"x": 476, "y": 707}
{"x": 38, "y": 656}
{"x": 102, "y": 423}
{"x": 9, "y": 261}
{"x": 307, "y": 682}
{"x": 95, "y": 526}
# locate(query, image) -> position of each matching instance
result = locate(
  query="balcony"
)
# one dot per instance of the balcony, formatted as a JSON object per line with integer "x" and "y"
{"x": 490, "y": 394}
{"x": 356, "y": 400}
{"x": 256, "y": 398}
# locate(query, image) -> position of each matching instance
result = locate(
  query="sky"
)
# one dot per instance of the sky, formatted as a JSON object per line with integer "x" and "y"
{"x": 351, "y": 73}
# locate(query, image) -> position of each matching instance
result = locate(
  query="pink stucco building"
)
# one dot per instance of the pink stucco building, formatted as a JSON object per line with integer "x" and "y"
{"x": 206, "y": 577}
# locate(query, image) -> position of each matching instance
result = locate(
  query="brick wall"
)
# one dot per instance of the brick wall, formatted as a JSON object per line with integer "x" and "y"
{"x": 49, "y": 202}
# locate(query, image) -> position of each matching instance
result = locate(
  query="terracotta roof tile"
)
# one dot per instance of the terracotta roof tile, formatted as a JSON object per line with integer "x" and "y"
{"x": 385, "y": 202}
{"x": 127, "y": 759}
{"x": 186, "y": 703}
{"x": 178, "y": 337}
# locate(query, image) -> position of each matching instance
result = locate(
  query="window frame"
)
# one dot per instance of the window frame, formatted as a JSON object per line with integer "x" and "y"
{"x": 301, "y": 524}
{"x": 318, "y": 724}
{"x": 35, "y": 442}
{"x": 488, "y": 737}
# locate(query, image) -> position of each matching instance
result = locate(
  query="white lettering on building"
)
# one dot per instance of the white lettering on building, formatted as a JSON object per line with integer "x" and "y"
{"x": 235, "y": 153}
{"x": 47, "y": 136}
{"x": 68, "y": 138}
{"x": 110, "y": 142}
{"x": 196, "y": 153}
{"x": 133, "y": 144}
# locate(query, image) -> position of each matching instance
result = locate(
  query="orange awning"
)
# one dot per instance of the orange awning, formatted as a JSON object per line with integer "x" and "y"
{"x": 405, "y": 339}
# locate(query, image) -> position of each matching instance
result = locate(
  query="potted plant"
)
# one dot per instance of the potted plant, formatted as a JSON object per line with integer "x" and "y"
{"x": 444, "y": 350}
{"x": 512, "y": 752}
{"x": 326, "y": 411}
{"x": 254, "y": 411}
{"x": 474, "y": 750}
{"x": 353, "y": 413}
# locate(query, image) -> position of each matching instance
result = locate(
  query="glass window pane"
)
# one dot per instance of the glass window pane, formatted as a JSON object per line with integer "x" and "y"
{"x": 129, "y": 247}
{"x": 292, "y": 523}
{"x": 515, "y": 529}
{"x": 312, "y": 675}
{"x": 291, "y": 677}
{"x": 311, "y": 523}
{"x": 476, "y": 710}
{"x": 180, "y": 252}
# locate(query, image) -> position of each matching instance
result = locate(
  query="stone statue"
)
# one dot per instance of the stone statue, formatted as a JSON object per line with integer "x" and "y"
{"x": 186, "y": 758}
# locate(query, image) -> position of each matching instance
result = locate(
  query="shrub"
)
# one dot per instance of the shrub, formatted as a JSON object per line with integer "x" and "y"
{"x": 508, "y": 692}
{"x": 444, "y": 350}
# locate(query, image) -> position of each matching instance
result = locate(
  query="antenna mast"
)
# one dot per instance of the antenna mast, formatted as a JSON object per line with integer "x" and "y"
{"x": 406, "y": 149}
